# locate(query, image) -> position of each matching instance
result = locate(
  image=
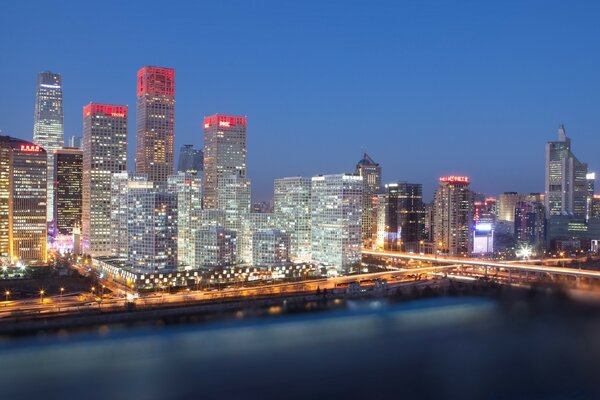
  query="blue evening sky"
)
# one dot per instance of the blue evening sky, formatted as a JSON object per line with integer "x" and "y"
{"x": 428, "y": 88}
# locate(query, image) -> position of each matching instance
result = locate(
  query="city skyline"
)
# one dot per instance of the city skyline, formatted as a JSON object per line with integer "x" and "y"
{"x": 513, "y": 101}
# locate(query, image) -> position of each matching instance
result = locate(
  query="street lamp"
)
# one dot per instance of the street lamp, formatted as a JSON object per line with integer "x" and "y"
{"x": 42, "y": 295}
{"x": 62, "y": 290}
{"x": 7, "y": 293}
{"x": 92, "y": 291}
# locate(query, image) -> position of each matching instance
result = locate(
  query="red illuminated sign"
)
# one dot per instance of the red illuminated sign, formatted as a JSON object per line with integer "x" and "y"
{"x": 156, "y": 80}
{"x": 454, "y": 179}
{"x": 30, "y": 148}
{"x": 106, "y": 109}
{"x": 224, "y": 121}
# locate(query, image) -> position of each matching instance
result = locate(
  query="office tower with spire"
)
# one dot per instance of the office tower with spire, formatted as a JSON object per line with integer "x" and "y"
{"x": 566, "y": 188}
{"x": 224, "y": 153}
{"x": 104, "y": 154}
{"x": 155, "y": 123}
{"x": 191, "y": 160}
{"x": 23, "y": 191}
{"x": 453, "y": 216}
{"x": 48, "y": 124}
{"x": 336, "y": 220}
{"x": 371, "y": 174}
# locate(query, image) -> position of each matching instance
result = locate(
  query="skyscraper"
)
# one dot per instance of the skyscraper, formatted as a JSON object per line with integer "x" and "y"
{"x": 530, "y": 223}
{"x": 292, "y": 213}
{"x": 155, "y": 123}
{"x": 75, "y": 142}
{"x": 188, "y": 189}
{"x": 68, "y": 175}
{"x": 23, "y": 191}
{"x": 233, "y": 197}
{"x": 270, "y": 248}
{"x": 566, "y": 185}
{"x": 371, "y": 174}
{"x": 104, "y": 154}
{"x": 151, "y": 227}
{"x": 453, "y": 215}
{"x": 224, "y": 152}
{"x": 591, "y": 183}
{"x": 191, "y": 160}
{"x": 336, "y": 220}
{"x": 48, "y": 124}
{"x": 401, "y": 217}
{"x": 506, "y": 205}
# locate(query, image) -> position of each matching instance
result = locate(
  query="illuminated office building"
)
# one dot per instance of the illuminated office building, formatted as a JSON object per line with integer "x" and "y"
{"x": 152, "y": 227}
{"x": 252, "y": 223}
{"x": 48, "y": 124}
{"x": 23, "y": 192}
{"x": 453, "y": 216}
{"x": 188, "y": 189}
{"x": 191, "y": 160}
{"x": 292, "y": 211}
{"x": 566, "y": 184}
{"x": 336, "y": 220}
{"x": 401, "y": 217}
{"x": 506, "y": 205}
{"x": 215, "y": 247}
{"x": 121, "y": 183}
{"x": 155, "y": 123}
{"x": 68, "y": 178}
{"x": 591, "y": 183}
{"x": 530, "y": 223}
{"x": 270, "y": 248}
{"x": 233, "y": 197}
{"x": 224, "y": 153}
{"x": 371, "y": 174}
{"x": 104, "y": 154}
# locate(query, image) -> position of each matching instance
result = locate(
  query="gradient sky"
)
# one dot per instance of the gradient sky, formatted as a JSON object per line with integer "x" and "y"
{"x": 427, "y": 88}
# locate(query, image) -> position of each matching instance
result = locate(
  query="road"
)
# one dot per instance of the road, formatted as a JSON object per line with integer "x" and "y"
{"x": 515, "y": 266}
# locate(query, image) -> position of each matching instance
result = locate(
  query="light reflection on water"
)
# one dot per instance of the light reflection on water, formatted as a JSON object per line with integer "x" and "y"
{"x": 431, "y": 348}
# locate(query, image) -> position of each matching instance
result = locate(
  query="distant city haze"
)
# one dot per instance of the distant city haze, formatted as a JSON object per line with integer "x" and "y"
{"x": 426, "y": 89}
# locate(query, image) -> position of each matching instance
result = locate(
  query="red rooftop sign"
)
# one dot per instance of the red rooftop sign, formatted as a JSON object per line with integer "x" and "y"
{"x": 454, "y": 179}
{"x": 106, "y": 109}
{"x": 30, "y": 148}
{"x": 223, "y": 121}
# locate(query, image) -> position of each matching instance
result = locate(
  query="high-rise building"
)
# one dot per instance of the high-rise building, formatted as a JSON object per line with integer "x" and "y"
{"x": 215, "y": 247}
{"x": 453, "y": 216}
{"x": 252, "y": 223}
{"x": 371, "y": 174}
{"x": 104, "y": 154}
{"x": 530, "y": 223}
{"x": 224, "y": 152}
{"x": 596, "y": 206}
{"x": 188, "y": 189}
{"x": 401, "y": 217}
{"x": 336, "y": 220}
{"x": 270, "y": 248}
{"x": 121, "y": 183}
{"x": 506, "y": 205}
{"x": 68, "y": 179}
{"x": 48, "y": 124}
{"x": 155, "y": 123}
{"x": 566, "y": 184}
{"x": 292, "y": 212}
{"x": 152, "y": 228}
{"x": 23, "y": 192}
{"x": 191, "y": 160}
{"x": 75, "y": 142}
{"x": 591, "y": 183}
{"x": 233, "y": 197}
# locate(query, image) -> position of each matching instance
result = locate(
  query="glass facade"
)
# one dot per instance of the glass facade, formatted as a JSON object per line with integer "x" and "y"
{"x": 292, "y": 212}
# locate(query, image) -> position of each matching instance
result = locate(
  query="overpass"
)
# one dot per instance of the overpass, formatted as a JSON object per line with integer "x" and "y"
{"x": 476, "y": 262}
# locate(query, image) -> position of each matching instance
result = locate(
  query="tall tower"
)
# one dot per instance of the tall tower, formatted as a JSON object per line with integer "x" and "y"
{"x": 292, "y": 211}
{"x": 104, "y": 154}
{"x": 23, "y": 191}
{"x": 371, "y": 174}
{"x": 48, "y": 125}
{"x": 336, "y": 220}
{"x": 191, "y": 160}
{"x": 155, "y": 123}
{"x": 224, "y": 152}
{"x": 401, "y": 217}
{"x": 566, "y": 184}
{"x": 453, "y": 215}
{"x": 68, "y": 170}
